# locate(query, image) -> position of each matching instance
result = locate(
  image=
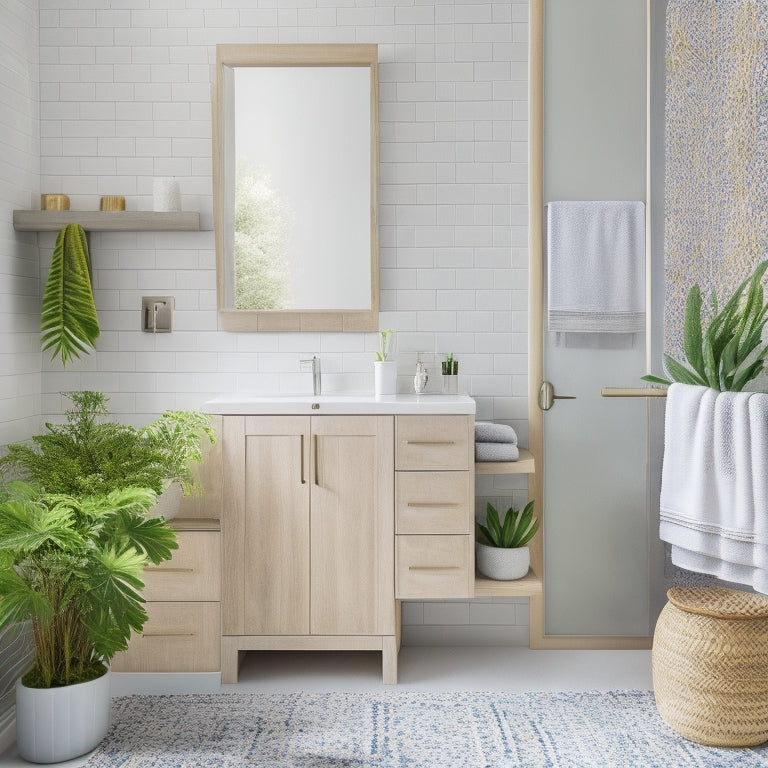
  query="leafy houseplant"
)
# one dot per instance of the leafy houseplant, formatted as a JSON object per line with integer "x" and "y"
{"x": 69, "y": 324}
{"x": 502, "y": 553}
{"x": 88, "y": 456}
{"x": 76, "y": 532}
{"x": 729, "y": 352}
{"x": 450, "y": 366}
{"x": 74, "y": 566}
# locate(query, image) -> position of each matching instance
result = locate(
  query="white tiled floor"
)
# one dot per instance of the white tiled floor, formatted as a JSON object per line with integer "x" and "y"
{"x": 432, "y": 669}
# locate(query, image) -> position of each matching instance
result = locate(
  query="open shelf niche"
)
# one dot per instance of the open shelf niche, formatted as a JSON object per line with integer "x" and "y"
{"x": 531, "y": 583}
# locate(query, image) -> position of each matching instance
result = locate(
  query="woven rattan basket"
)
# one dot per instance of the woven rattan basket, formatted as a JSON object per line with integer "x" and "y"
{"x": 710, "y": 666}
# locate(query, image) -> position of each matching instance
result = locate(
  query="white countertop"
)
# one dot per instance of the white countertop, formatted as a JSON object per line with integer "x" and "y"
{"x": 252, "y": 403}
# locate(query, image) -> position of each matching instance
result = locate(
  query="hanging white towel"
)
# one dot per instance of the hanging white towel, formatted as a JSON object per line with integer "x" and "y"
{"x": 714, "y": 487}
{"x": 596, "y": 255}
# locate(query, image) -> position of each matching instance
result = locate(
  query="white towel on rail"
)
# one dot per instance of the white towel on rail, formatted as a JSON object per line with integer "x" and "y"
{"x": 596, "y": 253}
{"x": 714, "y": 485}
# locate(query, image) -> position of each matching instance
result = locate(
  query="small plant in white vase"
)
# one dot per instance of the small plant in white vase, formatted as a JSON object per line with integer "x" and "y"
{"x": 384, "y": 369}
{"x": 501, "y": 552}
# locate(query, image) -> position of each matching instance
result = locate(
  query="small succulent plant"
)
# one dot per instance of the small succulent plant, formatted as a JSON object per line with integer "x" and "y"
{"x": 515, "y": 530}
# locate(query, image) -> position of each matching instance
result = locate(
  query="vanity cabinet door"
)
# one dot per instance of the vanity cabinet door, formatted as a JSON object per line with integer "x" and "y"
{"x": 275, "y": 532}
{"x": 351, "y": 525}
{"x": 308, "y": 525}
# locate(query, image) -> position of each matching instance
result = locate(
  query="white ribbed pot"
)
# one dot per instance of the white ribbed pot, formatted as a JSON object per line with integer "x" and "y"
{"x": 502, "y": 564}
{"x": 57, "y": 724}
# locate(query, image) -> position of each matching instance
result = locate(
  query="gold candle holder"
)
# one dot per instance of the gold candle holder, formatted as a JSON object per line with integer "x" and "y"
{"x": 54, "y": 203}
{"x": 112, "y": 203}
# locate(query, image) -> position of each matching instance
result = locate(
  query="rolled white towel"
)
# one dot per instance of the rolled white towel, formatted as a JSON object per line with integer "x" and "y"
{"x": 489, "y": 432}
{"x": 496, "y": 452}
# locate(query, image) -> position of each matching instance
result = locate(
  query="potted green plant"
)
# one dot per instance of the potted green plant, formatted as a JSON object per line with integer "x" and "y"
{"x": 729, "y": 352}
{"x": 384, "y": 369}
{"x": 501, "y": 551}
{"x": 450, "y": 369}
{"x": 73, "y": 566}
{"x": 76, "y": 531}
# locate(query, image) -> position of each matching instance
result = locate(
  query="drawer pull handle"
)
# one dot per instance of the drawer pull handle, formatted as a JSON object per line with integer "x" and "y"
{"x": 432, "y": 504}
{"x": 301, "y": 451}
{"x": 170, "y": 570}
{"x": 434, "y": 568}
{"x": 430, "y": 442}
{"x": 168, "y": 634}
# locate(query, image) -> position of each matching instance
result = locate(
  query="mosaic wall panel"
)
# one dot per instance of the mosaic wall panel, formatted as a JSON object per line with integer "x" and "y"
{"x": 716, "y": 178}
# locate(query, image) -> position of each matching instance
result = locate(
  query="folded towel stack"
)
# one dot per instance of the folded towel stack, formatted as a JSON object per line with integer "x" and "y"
{"x": 495, "y": 442}
{"x": 714, "y": 487}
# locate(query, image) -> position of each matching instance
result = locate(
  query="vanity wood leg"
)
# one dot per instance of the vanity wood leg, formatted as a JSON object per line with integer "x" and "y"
{"x": 389, "y": 659}
{"x": 231, "y": 656}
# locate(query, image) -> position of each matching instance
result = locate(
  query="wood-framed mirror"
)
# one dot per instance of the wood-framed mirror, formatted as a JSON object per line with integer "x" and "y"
{"x": 295, "y": 187}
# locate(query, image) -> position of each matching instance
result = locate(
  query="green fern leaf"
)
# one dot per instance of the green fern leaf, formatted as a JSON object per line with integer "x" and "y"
{"x": 69, "y": 324}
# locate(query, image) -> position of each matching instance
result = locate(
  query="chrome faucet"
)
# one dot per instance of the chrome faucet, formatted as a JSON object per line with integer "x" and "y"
{"x": 314, "y": 365}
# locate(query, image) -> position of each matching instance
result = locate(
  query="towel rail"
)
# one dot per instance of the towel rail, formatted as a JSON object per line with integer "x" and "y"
{"x": 632, "y": 392}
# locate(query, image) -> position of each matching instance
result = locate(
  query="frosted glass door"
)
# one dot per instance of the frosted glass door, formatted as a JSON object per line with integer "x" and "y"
{"x": 596, "y": 528}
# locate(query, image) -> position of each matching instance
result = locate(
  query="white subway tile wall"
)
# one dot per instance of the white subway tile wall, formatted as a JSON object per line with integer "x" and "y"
{"x": 19, "y": 280}
{"x": 20, "y": 357}
{"x": 125, "y": 97}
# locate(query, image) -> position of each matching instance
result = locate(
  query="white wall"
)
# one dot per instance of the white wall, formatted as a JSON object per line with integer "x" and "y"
{"x": 19, "y": 294}
{"x": 19, "y": 269}
{"x": 125, "y": 97}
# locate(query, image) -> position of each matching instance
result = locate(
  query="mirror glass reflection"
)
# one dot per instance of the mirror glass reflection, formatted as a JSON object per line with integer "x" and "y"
{"x": 295, "y": 188}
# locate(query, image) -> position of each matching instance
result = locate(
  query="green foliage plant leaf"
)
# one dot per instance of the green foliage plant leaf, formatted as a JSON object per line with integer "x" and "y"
{"x": 516, "y": 530}
{"x": 69, "y": 324}
{"x": 692, "y": 331}
{"x": 729, "y": 352}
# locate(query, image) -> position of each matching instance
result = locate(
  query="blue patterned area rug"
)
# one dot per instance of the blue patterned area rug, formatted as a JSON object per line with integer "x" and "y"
{"x": 619, "y": 729}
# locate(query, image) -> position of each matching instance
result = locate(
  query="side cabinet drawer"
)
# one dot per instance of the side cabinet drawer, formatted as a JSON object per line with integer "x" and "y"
{"x": 193, "y": 573}
{"x": 432, "y": 502}
{"x": 432, "y": 567}
{"x": 177, "y": 637}
{"x": 432, "y": 442}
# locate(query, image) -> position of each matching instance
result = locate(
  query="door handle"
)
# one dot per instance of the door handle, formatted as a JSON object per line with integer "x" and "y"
{"x": 547, "y": 396}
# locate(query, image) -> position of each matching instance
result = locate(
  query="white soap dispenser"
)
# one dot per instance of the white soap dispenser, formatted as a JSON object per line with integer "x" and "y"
{"x": 420, "y": 379}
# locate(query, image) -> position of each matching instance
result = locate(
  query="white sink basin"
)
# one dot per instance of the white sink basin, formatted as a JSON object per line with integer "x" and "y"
{"x": 253, "y": 403}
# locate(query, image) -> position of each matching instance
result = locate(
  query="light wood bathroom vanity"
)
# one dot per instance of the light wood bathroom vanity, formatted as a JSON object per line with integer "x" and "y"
{"x": 332, "y": 510}
{"x": 335, "y": 509}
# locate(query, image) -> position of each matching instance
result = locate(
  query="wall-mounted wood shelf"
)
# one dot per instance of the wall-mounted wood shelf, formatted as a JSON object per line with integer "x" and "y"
{"x": 107, "y": 221}
{"x": 523, "y": 466}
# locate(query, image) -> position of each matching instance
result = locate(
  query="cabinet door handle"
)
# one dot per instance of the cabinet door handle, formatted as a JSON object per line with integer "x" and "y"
{"x": 434, "y": 568}
{"x": 170, "y": 570}
{"x": 168, "y": 634}
{"x": 301, "y": 450}
{"x": 314, "y": 438}
{"x": 430, "y": 442}
{"x": 432, "y": 504}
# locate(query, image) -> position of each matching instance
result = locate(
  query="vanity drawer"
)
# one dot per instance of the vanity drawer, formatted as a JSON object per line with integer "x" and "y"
{"x": 433, "y": 567}
{"x": 432, "y": 502}
{"x": 433, "y": 442}
{"x": 193, "y": 573}
{"x": 177, "y": 637}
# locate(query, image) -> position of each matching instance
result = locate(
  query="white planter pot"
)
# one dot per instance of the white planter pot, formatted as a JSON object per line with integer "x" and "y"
{"x": 385, "y": 377}
{"x": 502, "y": 564}
{"x": 57, "y": 724}
{"x": 168, "y": 502}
